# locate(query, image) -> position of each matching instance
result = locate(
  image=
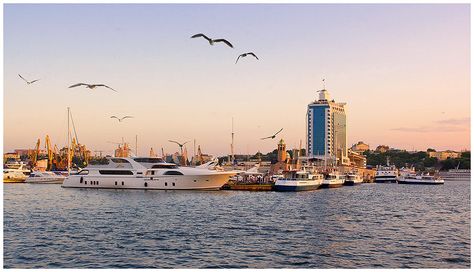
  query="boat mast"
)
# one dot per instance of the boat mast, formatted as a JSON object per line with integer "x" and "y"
{"x": 68, "y": 144}
{"x": 232, "y": 144}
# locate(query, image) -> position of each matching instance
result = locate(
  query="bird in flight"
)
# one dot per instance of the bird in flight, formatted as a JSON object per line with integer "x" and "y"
{"x": 28, "y": 82}
{"x": 273, "y": 136}
{"x": 180, "y": 145}
{"x": 120, "y": 119}
{"x": 91, "y": 86}
{"x": 244, "y": 55}
{"x": 212, "y": 41}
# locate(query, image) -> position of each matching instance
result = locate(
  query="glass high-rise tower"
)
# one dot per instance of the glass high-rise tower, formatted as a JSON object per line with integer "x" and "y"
{"x": 327, "y": 130}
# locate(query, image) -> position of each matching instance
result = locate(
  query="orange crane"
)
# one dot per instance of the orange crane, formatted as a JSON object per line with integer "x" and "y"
{"x": 34, "y": 155}
{"x": 50, "y": 153}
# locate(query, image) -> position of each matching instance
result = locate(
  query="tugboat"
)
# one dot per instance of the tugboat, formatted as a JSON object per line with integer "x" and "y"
{"x": 386, "y": 174}
{"x": 298, "y": 180}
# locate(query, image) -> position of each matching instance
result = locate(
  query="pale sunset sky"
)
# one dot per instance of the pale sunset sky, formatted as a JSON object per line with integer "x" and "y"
{"x": 402, "y": 69}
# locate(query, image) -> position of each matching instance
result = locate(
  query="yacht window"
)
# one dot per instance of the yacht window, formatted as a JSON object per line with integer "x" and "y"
{"x": 115, "y": 183}
{"x": 166, "y": 183}
{"x": 164, "y": 166}
{"x": 115, "y": 172}
{"x": 122, "y": 182}
{"x": 173, "y": 173}
{"x": 118, "y": 160}
{"x": 148, "y": 160}
{"x": 173, "y": 184}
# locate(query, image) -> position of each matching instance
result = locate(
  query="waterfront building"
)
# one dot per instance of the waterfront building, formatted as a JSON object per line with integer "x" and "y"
{"x": 326, "y": 130}
{"x": 357, "y": 159}
{"x": 360, "y": 147}
{"x": 443, "y": 155}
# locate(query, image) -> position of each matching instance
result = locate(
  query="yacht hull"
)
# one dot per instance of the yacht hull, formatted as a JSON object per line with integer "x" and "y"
{"x": 197, "y": 182}
{"x": 295, "y": 188}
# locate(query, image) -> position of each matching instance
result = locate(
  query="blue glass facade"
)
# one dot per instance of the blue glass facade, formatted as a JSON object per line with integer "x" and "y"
{"x": 317, "y": 130}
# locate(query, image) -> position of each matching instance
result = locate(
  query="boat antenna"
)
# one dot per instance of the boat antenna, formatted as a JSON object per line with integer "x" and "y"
{"x": 324, "y": 84}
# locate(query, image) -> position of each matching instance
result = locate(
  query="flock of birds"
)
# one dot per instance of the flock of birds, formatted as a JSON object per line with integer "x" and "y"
{"x": 200, "y": 35}
{"x": 212, "y": 41}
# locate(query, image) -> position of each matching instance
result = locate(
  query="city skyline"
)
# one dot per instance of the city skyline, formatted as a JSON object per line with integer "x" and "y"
{"x": 403, "y": 70}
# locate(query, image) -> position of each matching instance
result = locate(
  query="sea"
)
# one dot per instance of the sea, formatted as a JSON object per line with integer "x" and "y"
{"x": 364, "y": 226}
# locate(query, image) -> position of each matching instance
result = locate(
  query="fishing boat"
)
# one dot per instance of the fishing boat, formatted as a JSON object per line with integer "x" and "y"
{"x": 298, "y": 180}
{"x": 333, "y": 180}
{"x": 45, "y": 177}
{"x": 146, "y": 173}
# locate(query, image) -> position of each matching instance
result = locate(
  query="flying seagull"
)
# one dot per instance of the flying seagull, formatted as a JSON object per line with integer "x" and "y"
{"x": 212, "y": 41}
{"x": 28, "y": 82}
{"x": 244, "y": 55}
{"x": 91, "y": 86}
{"x": 120, "y": 119}
{"x": 180, "y": 145}
{"x": 273, "y": 136}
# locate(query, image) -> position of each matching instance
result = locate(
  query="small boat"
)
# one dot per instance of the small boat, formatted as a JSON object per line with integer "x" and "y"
{"x": 18, "y": 174}
{"x": 353, "y": 179}
{"x": 45, "y": 177}
{"x": 298, "y": 180}
{"x": 386, "y": 174}
{"x": 423, "y": 179}
{"x": 333, "y": 180}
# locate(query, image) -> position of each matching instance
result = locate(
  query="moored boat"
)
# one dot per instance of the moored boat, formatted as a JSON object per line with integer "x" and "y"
{"x": 45, "y": 177}
{"x": 146, "y": 173}
{"x": 333, "y": 180}
{"x": 422, "y": 179}
{"x": 17, "y": 174}
{"x": 353, "y": 179}
{"x": 298, "y": 181}
{"x": 386, "y": 173}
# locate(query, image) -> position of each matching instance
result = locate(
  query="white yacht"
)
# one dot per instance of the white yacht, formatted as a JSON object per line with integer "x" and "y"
{"x": 353, "y": 179}
{"x": 45, "y": 177}
{"x": 146, "y": 173}
{"x": 423, "y": 179}
{"x": 16, "y": 174}
{"x": 333, "y": 180}
{"x": 386, "y": 174}
{"x": 301, "y": 180}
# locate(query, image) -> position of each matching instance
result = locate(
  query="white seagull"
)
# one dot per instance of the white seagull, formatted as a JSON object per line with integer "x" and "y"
{"x": 91, "y": 86}
{"x": 120, "y": 119}
{"x": 28, "y": 82}
{"x": 244, "y": 55}
{"x": 212, "y": 41}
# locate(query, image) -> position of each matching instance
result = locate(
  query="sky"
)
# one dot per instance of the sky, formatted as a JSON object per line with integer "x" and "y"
{"x": 402, "y": 69}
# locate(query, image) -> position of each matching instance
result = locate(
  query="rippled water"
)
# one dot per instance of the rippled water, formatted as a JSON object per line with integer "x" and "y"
{"x": 367, "y": 226}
